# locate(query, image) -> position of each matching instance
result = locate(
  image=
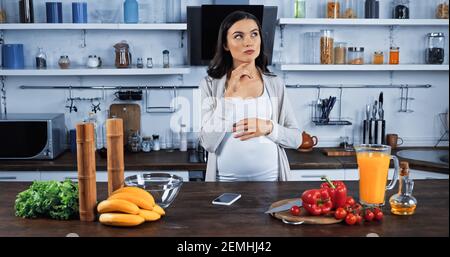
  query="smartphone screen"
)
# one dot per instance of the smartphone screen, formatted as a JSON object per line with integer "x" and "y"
{"x": 226, "y": 199}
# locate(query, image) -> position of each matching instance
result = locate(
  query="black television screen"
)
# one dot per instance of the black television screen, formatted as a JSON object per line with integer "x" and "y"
{"x": 204, "y": 23}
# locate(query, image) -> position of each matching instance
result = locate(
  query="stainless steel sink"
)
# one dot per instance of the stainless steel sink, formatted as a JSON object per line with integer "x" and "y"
{"x": 433, "y": 156}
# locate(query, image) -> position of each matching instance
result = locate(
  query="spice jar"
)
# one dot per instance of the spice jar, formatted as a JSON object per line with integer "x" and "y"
{"x": 326, "y": 47}
{"x": 435, "y": 48}
{"x": 350, "y": 9}
{"x": 156, "y": 146}
{"x": 442, "y": 9}
{"x": 333, "y": 9}
{"x": 394, "y": 55}
{"x": 166, "y": 63}
{"x": 134, "y": 142}
{"x": 378, "y": 57}
{"x": 149, "y": 62}
{"x": 356, "y": 55}
{"x": 372, "y": 9}
{"x": 64, "y": 62}
{"x": 340, "y": 53}
{"x": 400, "y": 9}
{"x": 139, "y": 63}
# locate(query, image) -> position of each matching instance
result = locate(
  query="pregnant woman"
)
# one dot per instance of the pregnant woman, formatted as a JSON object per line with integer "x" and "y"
{"x": 247, "y": 120}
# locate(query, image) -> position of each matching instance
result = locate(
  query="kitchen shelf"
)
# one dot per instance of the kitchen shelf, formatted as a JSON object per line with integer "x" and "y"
{"x": 107, "y": 71}
{"x": 94, "y": 26}
{"x": 365, "y": 22}
{"x": 368, "y": 67}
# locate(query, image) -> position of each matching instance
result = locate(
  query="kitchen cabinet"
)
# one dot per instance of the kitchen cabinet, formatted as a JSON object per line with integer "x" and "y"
{"x": 19, "y": 176}
{"x": 353, "y": 174}
{"x": 102, "y": 176}
{"x": 316, "y": 174}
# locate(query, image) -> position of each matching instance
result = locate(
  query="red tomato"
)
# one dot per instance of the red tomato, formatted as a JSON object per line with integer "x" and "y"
{"x": 357, "y": 208}
{"x": 379, "y": 215}
{"x": 295, "y": 210}
{"x": 350, "y": 201}
{"x": 340, "y": 213}
{"x": 369, "y": 216}
{"x": 359, "y": 219}
{"x": 350, "y": 219}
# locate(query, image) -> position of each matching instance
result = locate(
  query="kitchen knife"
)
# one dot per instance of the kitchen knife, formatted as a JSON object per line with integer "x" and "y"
{"x": 374, "y": 110}
{"x": 285, "y": 207}
{"x": 380, "y": 109}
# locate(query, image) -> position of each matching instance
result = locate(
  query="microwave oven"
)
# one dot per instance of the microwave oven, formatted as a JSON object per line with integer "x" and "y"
{"x": 32, "y": 136}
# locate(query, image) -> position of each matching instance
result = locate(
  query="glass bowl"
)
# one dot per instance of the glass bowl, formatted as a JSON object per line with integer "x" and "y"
{"x": 164, "y": 187}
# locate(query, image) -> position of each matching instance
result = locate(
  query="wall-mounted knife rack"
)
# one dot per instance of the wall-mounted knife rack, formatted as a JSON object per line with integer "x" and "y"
{"x": 148, "y": 109}
{"x": 404, "y": 88}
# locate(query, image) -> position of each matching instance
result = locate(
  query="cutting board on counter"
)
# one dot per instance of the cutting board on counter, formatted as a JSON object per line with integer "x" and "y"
{"x": 303, "y": 217}
{"x": 338, "y": 152}
{"x": 131, "y": 116}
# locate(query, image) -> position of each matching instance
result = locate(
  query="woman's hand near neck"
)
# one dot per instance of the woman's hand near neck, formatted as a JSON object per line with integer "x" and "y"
{"x": 242, "y": 75}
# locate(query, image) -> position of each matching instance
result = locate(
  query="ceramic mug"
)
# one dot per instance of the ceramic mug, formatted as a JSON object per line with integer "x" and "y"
{"x": 393, "y": 140}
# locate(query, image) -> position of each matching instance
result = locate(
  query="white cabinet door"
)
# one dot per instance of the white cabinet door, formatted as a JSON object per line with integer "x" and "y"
{"x": 19, "y": 176}
{"x": 316, "y": 174}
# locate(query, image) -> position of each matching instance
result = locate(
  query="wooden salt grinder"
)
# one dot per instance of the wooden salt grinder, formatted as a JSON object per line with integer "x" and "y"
{"x": 86, "y": 171}
{"x": 114, "y": 137}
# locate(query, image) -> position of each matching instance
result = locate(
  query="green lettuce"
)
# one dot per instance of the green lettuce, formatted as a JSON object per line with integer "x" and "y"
{"x": 49, "y": 199}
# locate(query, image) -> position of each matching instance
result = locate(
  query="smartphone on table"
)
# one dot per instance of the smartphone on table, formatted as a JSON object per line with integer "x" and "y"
{"x": 226, "y": 199}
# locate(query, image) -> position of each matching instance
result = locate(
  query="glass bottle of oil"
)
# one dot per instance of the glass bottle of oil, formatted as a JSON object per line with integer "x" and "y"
{"x": 403, "y": 203}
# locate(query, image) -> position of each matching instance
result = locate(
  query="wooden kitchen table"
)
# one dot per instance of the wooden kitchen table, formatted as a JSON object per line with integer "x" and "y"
{"x": 192, "y": 214}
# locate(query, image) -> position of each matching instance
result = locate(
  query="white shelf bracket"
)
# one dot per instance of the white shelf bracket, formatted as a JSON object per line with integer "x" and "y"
{"x": 3, "y": 97}
{"x": 83, "y": 38}
{"x": 182, "y": 39}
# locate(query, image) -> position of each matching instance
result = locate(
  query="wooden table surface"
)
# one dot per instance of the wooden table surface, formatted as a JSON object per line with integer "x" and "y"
{"x": 192, "y": 214}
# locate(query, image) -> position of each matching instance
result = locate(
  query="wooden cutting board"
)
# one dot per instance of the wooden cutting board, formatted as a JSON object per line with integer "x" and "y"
{"x": 337, "y": 152}
{"x": 131, "y": 116}
{"x": 304, "y": 216}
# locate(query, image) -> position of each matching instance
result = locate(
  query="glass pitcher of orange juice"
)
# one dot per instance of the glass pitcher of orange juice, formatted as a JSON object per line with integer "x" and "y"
{"x": 373, "y": 164}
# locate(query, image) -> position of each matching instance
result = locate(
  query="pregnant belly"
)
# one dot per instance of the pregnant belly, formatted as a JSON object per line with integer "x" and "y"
{"x": 253, "y": 156}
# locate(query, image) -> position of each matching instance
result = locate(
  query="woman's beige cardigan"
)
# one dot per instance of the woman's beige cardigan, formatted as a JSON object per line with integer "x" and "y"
{"x": 215, "y": 122}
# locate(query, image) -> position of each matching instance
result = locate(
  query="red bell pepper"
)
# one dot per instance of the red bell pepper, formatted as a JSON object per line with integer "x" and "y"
{"x": 337, "y": 191}
{"x": 317, "y": 201}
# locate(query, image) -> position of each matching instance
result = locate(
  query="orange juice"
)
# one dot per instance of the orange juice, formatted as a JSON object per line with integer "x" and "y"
{"x": 373, "y": 173}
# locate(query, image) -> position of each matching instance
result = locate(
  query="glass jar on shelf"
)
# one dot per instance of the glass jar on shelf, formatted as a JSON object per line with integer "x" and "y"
{"x": 64, "y": 62}
{"x": 147, "y": 144}
{"x": 41, "y": 59}
{"x": 350, "y": 9}
{"x": 435, "y": 48}
{"x": 2, "y": 12}
{"x": 340, "y": 53}
{"x": 356, "y": 55}
{"x": 326, "y": 47}
{"x": 394, "y": 55}
{"x": 149, "y": 62}
{"x": 166, "y": 63}
{"x": 378, "y": 57}
{"x": 442, "y": 9}
{"x": 332, "y": 9}
{"x": 134, "y": 142}
{"x": 400, "y": 9}
{"x": 311, "y": 49}
{"x": 300, "y": 9}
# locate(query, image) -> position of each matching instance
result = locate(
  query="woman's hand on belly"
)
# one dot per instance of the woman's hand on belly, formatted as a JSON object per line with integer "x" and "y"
{"x": 250, "y": 128}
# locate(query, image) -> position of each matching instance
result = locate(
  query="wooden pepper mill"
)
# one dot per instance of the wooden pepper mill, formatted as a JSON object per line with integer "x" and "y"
{"x": 114, "y": 141}
{"x": 86, "y": 171}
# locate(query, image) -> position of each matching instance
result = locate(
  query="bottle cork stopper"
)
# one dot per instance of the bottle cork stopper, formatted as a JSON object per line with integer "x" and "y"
{"x": 404, "y": 168}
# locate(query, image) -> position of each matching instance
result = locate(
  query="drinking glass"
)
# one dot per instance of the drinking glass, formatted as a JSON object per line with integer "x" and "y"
{"x": 373, "y": 164}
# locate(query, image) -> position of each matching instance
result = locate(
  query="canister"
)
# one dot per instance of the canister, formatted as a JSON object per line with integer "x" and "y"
{"x": 54, "y": 12}
{"x": 79, "y": 12}
{"x": 13, "y": 56}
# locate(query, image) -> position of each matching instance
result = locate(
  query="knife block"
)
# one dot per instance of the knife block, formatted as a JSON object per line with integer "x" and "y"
{"x": 374, "y": 132}
{"x": 86, "y": 171}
